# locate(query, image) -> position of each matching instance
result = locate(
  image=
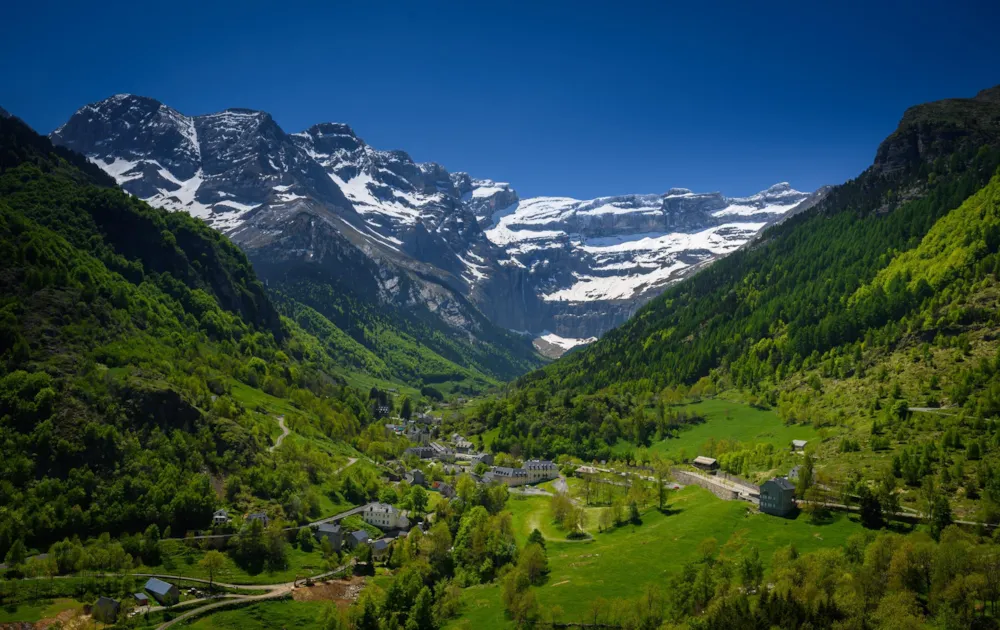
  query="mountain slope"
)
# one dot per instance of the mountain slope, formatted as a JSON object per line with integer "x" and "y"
{"x": 813, "y": 295}
{"x": 448, "y": 248}
{"x": 141, "y": 362}
{"x": 241, "y": 173}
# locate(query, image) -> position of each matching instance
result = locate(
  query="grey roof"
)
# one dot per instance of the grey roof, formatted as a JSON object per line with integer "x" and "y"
{"x": 504, "y": 471}
{"x": 158, "y": 586}
{"x": 106, "y": 600}
{"x": 141, "y": 596}
{"x": 799, "y": 442}
{"x": 783, "y": 483}
{"x": 360, "y": 535}
{"x": 328, "y": 527}
{"x": 538, "y": 464}
{"x": 381, "y": 544}
{"x": 701, "y": 459}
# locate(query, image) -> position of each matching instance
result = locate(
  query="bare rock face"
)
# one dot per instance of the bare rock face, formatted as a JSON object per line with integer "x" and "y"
{"x": 414, "y": 236}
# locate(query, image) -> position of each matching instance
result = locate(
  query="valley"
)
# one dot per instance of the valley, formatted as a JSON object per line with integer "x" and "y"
{"x": 251, "y": 378}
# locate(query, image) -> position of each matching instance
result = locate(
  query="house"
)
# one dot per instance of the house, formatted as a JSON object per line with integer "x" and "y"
{"x": 462, "y": 445}
{"x": 446, "y": 490}
{"x": 385, "y": 516}
{"x": 540, "y": 470}
{"x": 423, "y": 452}
{"x": 141, "y": 599}
{"x": 510, "y": 476}
{"x": 358, "y": 538}
{"x": 380, "y": 549}
{"x": 777, "y": 496}
{"x": 163, "y": 592}
{"x": 705, "y": 463}
{"x": 416, "y": 477}
{"x": 333, "y": 533}
{"x": 221, "y": 517}
{"x": 382, "y": 411}
{"x": 793, "y": 474}
{"x": 482, "y": 458}
{"x": 258, "y": 516}
{"x": 418, "y": 434}
{"x": 442, "y": 452}
{"x": 799, "y": 445}
{"x": 106, "y": 610}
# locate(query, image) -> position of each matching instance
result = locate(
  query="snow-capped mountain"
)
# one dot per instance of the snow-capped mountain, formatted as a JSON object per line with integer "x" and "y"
{"x": 557, "y": 267}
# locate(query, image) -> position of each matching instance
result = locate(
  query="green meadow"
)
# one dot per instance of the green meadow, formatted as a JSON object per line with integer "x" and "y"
{"x": 620, "y": 562}
{"x": 732, "y": 421}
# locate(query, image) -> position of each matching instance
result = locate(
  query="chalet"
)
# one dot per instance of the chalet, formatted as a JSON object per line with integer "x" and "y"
{"x": 141, "y": 599}
{"x": 482, "y": 458}
{"x": 258, "y": 516}
{"x": 510, "y": 476}
{"x": 221, "y": 517}
{"x": 357, "y": 538}
{"x": 422, "y": 452}
{"x": 106, "y": 610}
{"x": 705, "y": 463}
{"x": 416, "y": 477}
{"x": 163, "y": 592}
{"x": 385, "y": 516}
{"x": 777, "y": 496}
{"x": 333, "y": 533}
{"x": 540, "y": 470}
{"x": 798, "y": 445}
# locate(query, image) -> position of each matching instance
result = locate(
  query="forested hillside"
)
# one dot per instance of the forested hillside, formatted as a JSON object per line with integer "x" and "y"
{"x": 894, "y": 262}
{"x": 142, "y": 364}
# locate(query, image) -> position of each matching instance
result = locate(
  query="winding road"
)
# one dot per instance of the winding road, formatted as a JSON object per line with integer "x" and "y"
{"x": 274, "y": 591}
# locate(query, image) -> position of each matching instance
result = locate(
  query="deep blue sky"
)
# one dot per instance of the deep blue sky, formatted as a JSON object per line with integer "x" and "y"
{"x": 557, "y": 98}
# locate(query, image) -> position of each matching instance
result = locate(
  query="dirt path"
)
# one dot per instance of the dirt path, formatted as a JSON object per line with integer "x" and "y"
{"x": 284, "y": 433}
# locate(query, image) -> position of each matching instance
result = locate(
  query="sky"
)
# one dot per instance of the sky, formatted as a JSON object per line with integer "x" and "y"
{"x": 558, "y": 98}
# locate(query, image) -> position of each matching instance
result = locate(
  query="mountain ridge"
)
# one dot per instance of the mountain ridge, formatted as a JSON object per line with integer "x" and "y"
{"x": 240, "y": 172}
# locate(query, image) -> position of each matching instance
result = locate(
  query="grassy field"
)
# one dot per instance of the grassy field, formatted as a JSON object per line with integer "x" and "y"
{"x": 179, "y": 559}
{"x": 36, "y": 611}
{"x": 276, "y": 614}
{"x": 609, "y": 565}
{"x": 730, "y": 421}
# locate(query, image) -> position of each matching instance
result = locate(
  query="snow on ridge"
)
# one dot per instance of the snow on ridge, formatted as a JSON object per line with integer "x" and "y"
{"x": 566, "y": 343}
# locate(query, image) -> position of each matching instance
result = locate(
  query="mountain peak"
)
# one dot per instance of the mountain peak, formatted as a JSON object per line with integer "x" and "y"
{"x": 331, "y": 129}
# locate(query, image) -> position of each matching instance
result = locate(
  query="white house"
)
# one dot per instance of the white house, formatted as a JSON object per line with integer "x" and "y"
{"x": 540, "y": 470}
{"x": 385, "y": 516}
{"x": 221, "y": 517}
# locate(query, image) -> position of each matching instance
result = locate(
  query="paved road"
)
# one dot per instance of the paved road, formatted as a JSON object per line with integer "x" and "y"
{"x": 284, "y": 433}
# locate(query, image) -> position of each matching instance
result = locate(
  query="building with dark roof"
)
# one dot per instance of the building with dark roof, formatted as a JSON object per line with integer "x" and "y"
{"x": 357, "y": 538}
{"x": 105, "y": 610}
{"x": 705, "y": 463}
{"x": 777, "y": 497}
{"x": 510, "y": 476}
{"x": 141, "y": 599}
{"x": 163, "y": 592}
{"x": 540, "y": 470}
{"x": 333, "y": 533}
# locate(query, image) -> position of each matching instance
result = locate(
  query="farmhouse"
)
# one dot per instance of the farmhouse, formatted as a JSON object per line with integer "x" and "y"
{"x": 385, "y": 516}
{"x": 540, "y": 470}
{"x": 163, "y": 592}
{"x": 777, "y": 496}
{"x": 106, "y": 610}
{"x": 705, "y": 463}
{"x": 221, "y": 517}
{"x": 358, "y": 538}
{"x": 333, "y": 533}
{"x": 141, "y": 599}
{"x": 799, "y": 445}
